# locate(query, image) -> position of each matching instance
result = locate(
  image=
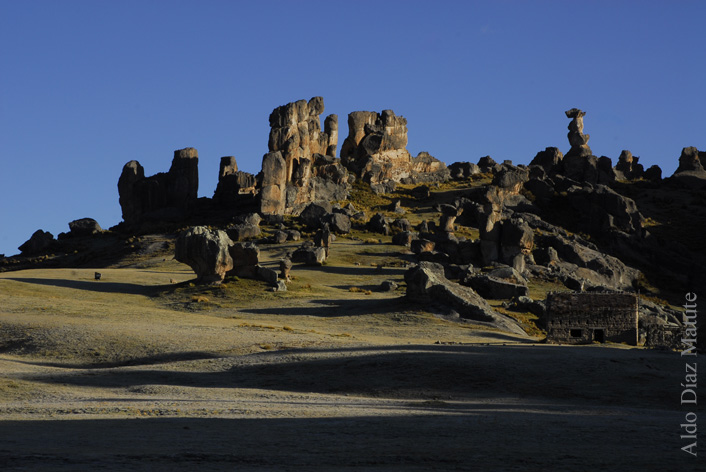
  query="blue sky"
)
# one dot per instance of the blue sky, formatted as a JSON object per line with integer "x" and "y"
{"x": 86, "y": 86}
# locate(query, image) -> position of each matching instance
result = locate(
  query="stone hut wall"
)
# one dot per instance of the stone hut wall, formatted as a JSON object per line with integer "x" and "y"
{"x": 585, "y": 317}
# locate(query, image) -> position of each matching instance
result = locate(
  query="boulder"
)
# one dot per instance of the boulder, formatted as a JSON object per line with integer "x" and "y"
{"x": 427, "y": 283}
{"x": 378, "y": 224}
{"x": 267, "y": 275}
{"x": 487, "y": 164}
{"x": 280, "y": 237}
{"x": 206, "y": 251}
{"x": 243, "y": 232}
{"x": 401, "y": 224}
{"x": 495, "y": 288}
{"x": 38, "y": 242}
{"x": 549, "y": 159}
{"x": 314, "y": 214}
{"x": 246, "y": 259}
{"x": 388, "y": 286}
{"x": 404, "y": 238}
{"x": 419, "y": 246}
{"x": 463, "y": 170}
{"x": 653, "y": 173}
{"x": 84, "y": 227}
{"x": 285, "y": 267}
{"x": 338, "y": 222}
{"x": 311, "y": 256}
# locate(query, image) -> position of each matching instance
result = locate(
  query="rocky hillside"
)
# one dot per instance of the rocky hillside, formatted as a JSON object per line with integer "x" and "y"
{"x": 484, "y": 236}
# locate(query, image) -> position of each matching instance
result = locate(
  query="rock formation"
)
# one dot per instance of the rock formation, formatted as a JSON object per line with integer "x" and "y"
{"x": 376, "y": 151}
{"x": 164, "y": 196}
{"x": 628, "y": 167}
{"x": 38, "y": 242}
{"x": 578, "y": 140}
{"x": 234, "y": 186}
{"x": 427, "y": 283}
{"x": 301, "y": 166}
{"x": 84, "y": 227}
{"x": 690, "y": 172}
{"x": 206, "y": 251}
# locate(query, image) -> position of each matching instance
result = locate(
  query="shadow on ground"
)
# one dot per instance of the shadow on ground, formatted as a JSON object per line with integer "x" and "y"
{"x": 593, "y": 375}
{"x": 502, "y": 438}
{"x": 93, "y": 286}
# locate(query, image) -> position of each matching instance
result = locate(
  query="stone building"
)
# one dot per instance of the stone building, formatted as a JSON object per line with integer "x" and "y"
{"x": 585, "y": 317}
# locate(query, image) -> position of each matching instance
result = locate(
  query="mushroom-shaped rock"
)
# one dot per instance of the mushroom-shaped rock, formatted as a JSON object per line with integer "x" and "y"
{"x": 206, "y": 252}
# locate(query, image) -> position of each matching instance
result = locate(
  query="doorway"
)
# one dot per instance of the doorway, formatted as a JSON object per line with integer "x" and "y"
{"x": 599, "y": 335}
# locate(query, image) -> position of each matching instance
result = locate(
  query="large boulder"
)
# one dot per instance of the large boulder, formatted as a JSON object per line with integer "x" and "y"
{"x": 38, "y": 242}
{"x": 312, "y": 216}
{"x": 206, "y": 251}
{"x": 246, "y": 259}
{"x": 549, "y": 159}
{"x": 427, "y": 283}
{"x": 84, "y": 227}
{"x": 603, "y": 209}
{"x": 496, "y": 288}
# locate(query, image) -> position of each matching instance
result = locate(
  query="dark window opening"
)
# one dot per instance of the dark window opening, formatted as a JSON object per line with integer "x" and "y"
{"x": 599, "y": 335}
{"x": 576, "y": 333}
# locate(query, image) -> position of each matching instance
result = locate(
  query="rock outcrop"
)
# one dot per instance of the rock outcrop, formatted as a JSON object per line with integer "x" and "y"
{"x": 234, "y": 186}
{"x": 164, "y": 196}
{"x": 376, "y": 151}
{"x": 427, "y": 283}
{"x": 577, "y": 139}
{"x": 206, "y": 251}
{"x": 84, "y": 227}
{"x": 301, "y": 166}
{"x": 691, "y": 171}
{"x": 628, "y": 167}
{"x": 38, "y": 242}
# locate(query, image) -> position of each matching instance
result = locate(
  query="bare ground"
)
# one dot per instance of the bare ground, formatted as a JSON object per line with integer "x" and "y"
{"x": 142, "y": 371}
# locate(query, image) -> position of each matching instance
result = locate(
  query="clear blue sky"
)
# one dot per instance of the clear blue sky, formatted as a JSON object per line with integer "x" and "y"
{"x": 86, "y": 86}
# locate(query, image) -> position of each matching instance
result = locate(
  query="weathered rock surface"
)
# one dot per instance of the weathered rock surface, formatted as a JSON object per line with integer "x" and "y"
{"x": 206, "y": 251}
{"x": 427, "y": 283}
{"x": 164, "y": 196}
{"x": 301, "y": 166}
